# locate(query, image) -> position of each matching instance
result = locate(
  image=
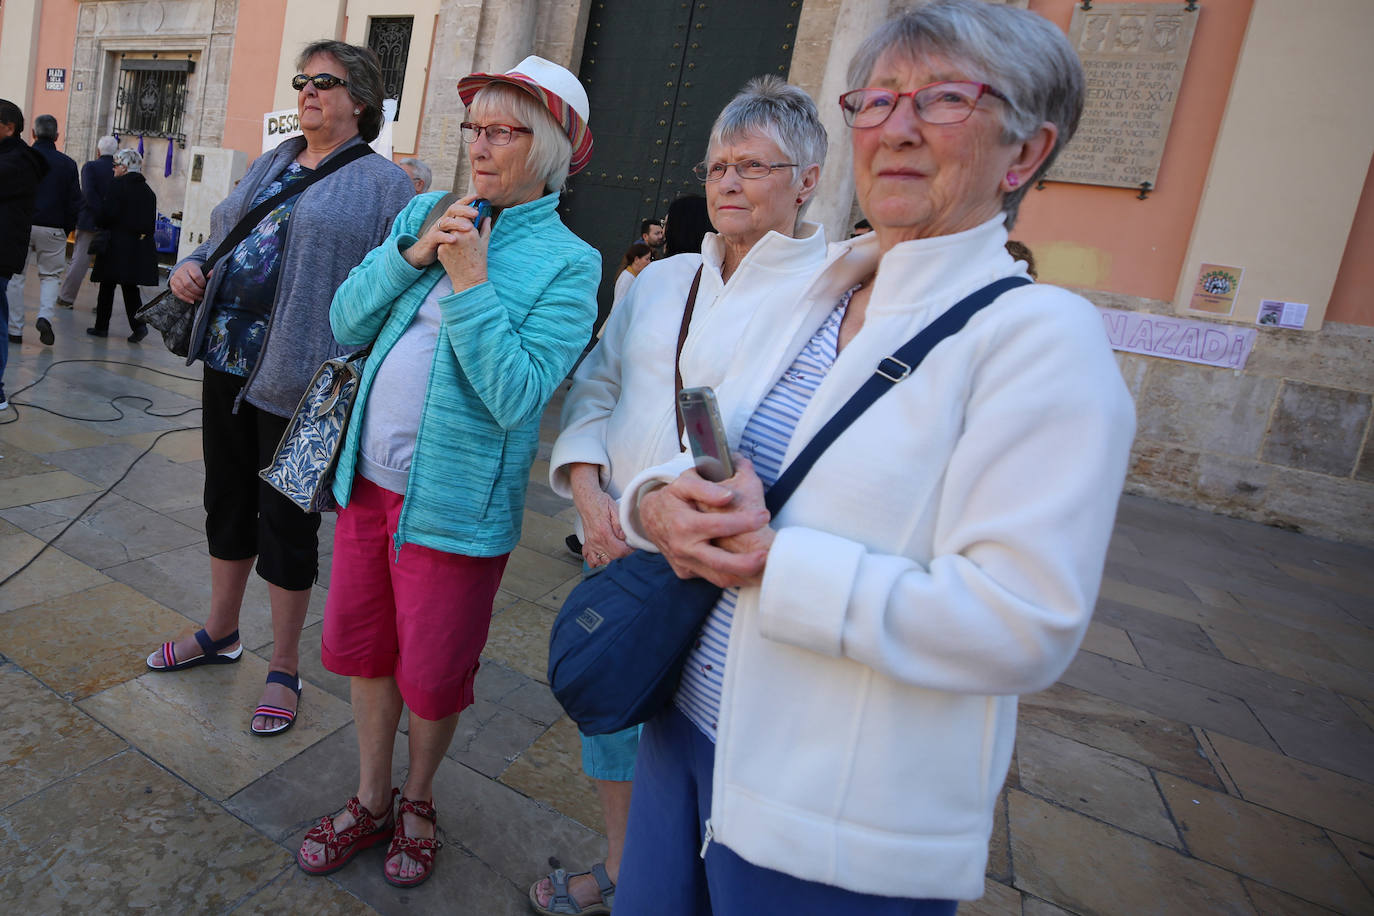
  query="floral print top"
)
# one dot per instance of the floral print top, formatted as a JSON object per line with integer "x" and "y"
{"x": 238, "y": 319}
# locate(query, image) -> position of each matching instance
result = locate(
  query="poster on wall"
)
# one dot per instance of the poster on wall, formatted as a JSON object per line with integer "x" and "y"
{"x": 1215, "y": 289}
{"x": 1276, "y": 314}
{"x": 1133, "y": 57}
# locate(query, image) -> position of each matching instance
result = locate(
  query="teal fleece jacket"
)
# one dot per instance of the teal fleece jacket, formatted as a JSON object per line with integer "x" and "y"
{"x": 504, "y": 348}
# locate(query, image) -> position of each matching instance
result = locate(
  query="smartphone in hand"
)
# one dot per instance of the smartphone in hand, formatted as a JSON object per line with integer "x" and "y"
{"x": 483, "y": 211}
{"x": 705, "y": 433}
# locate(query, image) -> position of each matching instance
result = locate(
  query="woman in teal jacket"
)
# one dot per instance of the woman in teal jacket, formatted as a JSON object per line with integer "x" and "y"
{"x": 474, "y": 321}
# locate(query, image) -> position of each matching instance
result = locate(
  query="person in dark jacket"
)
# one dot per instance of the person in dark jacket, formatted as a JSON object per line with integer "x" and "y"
{"x": 54, "y": 218}
{"x": 96, "y": 176}
{"x": 129, "y": 258}
{"x": 20, "y": 171}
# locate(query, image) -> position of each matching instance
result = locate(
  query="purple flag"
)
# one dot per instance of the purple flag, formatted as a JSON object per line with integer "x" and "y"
{"x": 167, "y": 169}
{"x": 140, "y": 144}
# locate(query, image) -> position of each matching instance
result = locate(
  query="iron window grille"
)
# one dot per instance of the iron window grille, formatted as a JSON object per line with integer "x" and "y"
{"x": 389, "y": 37}
{"x": 151, "y": 98}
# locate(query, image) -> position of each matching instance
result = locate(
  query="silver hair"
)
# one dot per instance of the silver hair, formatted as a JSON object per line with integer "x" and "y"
{"x": 422, "y": 171}
{"x": 45, "y": 127}
{"x": 364, "y": 77}
{"x": 770, "y": 107}
{"x": 550, "y": 150}
{"x": 1025, "y": 56}
{"x": 106, "y": 146}
{"x": 130, "y": 159}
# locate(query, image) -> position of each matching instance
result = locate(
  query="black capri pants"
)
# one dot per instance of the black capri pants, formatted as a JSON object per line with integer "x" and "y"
{"x": 244, "y": 516}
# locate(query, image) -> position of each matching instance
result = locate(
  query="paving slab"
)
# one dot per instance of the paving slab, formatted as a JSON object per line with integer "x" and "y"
{"x": 519, "y": 639}
{"x": 1102, "y": 785}
{"x": 44, "y": 740}
{"x": 531, "y": 575}
{"x": 1271, "y": 848}
{"x": 1090, "y": 867}
{"x": 1166, "y": 696}
{"x": 50, "y": 573}
{"x": 293, "y": 891}
{"x": 195, "y": 722}
{"x": 550, "y": 771}
{"x": 157, "y": 845}
{"x": 1119, "y": 728}
{"x": 83, "y": 643}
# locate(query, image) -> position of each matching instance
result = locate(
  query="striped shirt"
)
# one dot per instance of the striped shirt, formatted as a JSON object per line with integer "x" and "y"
{"x": 764, "y": 442}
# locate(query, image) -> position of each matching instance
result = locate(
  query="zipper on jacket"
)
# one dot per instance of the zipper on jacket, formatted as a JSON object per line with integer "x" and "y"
{"x": 396, "y": 542}
{"x": 706, "y": 841}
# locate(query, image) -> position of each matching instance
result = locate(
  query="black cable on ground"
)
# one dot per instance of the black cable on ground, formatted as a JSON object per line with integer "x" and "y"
{"x": 147, "y": 411}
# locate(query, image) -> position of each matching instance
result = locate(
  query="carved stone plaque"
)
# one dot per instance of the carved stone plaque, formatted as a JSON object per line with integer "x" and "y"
{"x": 1133, "y": 57}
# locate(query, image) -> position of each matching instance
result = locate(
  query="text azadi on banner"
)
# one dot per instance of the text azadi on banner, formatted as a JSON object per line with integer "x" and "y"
{"x": 1148, "y": 334}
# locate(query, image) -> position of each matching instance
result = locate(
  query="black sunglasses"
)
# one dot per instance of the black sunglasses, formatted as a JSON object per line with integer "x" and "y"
{"x": 322, "y": 81}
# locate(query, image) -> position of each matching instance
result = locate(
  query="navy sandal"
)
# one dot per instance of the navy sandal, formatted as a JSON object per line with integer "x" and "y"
{"x": 561, "y": 903}
{"x": 165, "y": 658}
{"x": 290, "y": 681}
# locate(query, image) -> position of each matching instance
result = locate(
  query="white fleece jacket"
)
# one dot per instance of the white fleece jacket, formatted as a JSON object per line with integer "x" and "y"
{"x": 943, "y": 556}
{"x": 620, "y": 411}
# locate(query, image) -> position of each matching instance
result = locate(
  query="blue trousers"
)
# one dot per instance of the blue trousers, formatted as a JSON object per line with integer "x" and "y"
{"x": 5, "y": 319}
{"x": 662, "y": 873}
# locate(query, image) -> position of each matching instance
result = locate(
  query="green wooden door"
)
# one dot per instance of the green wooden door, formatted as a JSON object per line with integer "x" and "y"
{"x": 657, "y": 72}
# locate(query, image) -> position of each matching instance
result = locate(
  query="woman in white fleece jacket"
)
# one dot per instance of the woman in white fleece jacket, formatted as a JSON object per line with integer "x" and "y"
{"x": 763, "y": 158}
{"x": 845, "y": 724}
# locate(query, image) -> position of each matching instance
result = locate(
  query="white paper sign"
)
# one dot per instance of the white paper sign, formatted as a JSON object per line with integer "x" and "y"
{"x": 1227, "y": 346}
{"x": 285, "y": 124}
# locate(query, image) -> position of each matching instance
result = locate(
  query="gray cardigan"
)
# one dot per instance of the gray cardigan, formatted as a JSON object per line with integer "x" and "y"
{"x": 334, "y": 224}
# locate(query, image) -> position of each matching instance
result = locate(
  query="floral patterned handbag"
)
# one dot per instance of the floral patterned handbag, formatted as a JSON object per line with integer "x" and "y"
{"x": 303, "y": 468}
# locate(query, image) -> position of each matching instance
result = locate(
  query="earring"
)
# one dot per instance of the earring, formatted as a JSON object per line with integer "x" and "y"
{"x": 357, "y": 111}
{"x": 1012, "y": 180}
{"x": 799, "y": 201}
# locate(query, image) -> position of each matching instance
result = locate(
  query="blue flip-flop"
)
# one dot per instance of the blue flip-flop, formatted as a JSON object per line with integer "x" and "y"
{"x": 209, "y": 647}
{"x": 292, "y": 682}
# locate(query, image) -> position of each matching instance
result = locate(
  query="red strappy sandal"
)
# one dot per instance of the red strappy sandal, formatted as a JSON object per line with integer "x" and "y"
{"x": 419, "y": 849}
{"x": 341, "y": 846}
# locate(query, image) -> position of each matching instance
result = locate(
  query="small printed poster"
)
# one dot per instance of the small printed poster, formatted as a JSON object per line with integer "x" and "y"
{"x": 1215, "y": 290}
{"x": 1275, "y": 314}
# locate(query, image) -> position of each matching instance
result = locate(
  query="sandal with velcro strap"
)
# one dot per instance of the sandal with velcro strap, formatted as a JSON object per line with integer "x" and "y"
{"x": 419, "y": 849}
{"x": 340, "y": 846}
{"x": 562, "y": 903}
{"x": 165, "y": 658}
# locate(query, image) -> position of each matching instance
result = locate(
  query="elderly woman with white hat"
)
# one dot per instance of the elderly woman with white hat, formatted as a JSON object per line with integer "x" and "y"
{"x": 473, "y": 320}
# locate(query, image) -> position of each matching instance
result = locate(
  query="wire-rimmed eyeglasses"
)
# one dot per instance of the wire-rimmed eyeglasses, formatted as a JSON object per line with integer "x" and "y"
{"x": 749, "y": 168}
{"x": 948, "y": 102}
{"x": 497, "y": 134}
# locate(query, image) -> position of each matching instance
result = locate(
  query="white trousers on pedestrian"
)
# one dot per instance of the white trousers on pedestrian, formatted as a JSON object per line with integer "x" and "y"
{"x": 47, "y": 246}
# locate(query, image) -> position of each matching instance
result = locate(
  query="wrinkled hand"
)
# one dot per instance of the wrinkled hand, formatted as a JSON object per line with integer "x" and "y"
{"x": 188, "y": 283}
{"x": 718, "y": 531}
{"x": 445, "y": 230}
{"x": 464, "y": 254}
{"x": 604, "y": 540}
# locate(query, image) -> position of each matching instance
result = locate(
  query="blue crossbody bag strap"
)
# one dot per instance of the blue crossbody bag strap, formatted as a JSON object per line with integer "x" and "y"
{"x": 891, "y": 370}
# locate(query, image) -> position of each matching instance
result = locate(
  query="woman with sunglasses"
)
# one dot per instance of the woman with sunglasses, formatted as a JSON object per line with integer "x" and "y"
{"x": 474, "y": 320}
{"x": 262, "y": 329}
{"x": 763, "y": 159}
{"x": 842, "y": 732}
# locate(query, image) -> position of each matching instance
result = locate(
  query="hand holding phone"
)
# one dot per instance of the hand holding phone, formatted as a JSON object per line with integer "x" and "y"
{"x": 705, "y": 433}
{"x": 483, "y": 209}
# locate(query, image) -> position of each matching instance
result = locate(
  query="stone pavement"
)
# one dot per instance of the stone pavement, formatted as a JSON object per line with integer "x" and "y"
{"x": 1210, "y": 750}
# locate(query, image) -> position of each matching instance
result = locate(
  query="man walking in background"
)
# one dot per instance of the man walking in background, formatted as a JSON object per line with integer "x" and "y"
{"x": 54, "y": 217}
{"x": 96, "y": 176}
{"x": 20, "y": 170}
{"x": 651, "y": 234}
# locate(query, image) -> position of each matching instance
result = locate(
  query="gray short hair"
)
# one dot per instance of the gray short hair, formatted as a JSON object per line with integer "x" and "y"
{"x": 769, "y": 107}
{"x": 550, "y": 150}
{"x": 422, "y": 171}
{"x": 1025, "y": 56}
{"x": 45, "y": 127}
{"x": 130, "y": 159}
{"x": 364, "y": 78}
{"x": 106, "y": 146}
